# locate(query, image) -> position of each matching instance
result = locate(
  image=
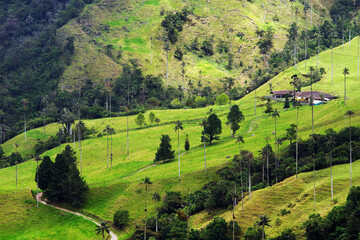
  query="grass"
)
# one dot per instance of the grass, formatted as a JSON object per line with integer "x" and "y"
{"x": 119, "y": 186}
{"x": 131, "y": 25}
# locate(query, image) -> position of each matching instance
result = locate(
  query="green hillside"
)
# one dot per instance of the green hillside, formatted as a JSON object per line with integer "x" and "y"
{"x": 119, "y": 186}
{"x": 129, "y": 26}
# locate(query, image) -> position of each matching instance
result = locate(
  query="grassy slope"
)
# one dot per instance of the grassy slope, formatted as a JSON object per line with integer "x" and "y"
{"x": 132, "y": 24}
{"x": 119, "y": 186}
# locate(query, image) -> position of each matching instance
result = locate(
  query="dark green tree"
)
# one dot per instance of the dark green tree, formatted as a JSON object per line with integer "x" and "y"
{"x": 121, "y": 218}
{"x": 264, "y": 221}
{"x": 164, "y": 152}
{"x": 212, "y": 129}
{"x": 287, "y": 103}
{"x": 140, "y": 119}
{"x": 268, "y": 107}
{"x": 217, "y": 229}
{"x": 45, "y": 173}
{"x": 235, "y": 117}
{"x": 187, "y": 143}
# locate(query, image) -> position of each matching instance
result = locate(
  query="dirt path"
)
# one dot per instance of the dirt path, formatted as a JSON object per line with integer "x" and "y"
{"x": 38, "y": 198}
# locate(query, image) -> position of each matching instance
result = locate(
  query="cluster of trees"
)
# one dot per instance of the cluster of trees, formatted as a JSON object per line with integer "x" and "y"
{"x": 343, "y": 222}
{"x": 14, "y": 159}
{"x": 31, "y": 59}
{"x": 60, "y": 180}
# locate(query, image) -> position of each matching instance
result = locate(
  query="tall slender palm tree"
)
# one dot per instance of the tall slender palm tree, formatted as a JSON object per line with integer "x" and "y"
{"x": 264, "y": 221}
{"x": 102, "y": 228}
{"x": 240, "y": 140}
{"x": 177, "y": 128}
{"x": 267, "y": 160}
{"x": 156, "y": 197}
{"x": 350, "y": 113}
{"x": 313, "y": 131}
{"x": 275, "y": 114}
{"x": 146, "y": 181}
{"x": 279, "y": 142}
{"x": 24, "y": 102}
{"x": 297, "y": 104}
{"x": 263, "y": 155}
{"x": 249, "y": 158}
{"x": 345, "y": 72}
{"x": 330, "y": 144}
{"x": 107, "y": 145}
{"x": 204, "y": 124}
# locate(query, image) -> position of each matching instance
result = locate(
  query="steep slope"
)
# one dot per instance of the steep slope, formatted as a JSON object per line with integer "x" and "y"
{"x": 132, "y": 30}
{"x": 120, "y": 186}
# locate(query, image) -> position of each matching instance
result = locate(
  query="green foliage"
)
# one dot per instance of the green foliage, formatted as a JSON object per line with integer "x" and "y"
{"x": 222, "y": 99}
{"x": 172, "y": 203}
{"x": 287, "y": 234}
{"x": 65, "y": 184}
{"x": 140, "y": 119}
{"x": 287, "y": 103}
{"x": 187, "y": 143}
{"x": 45, "y": 173}
{"x": 235, "y": 117}
{"x": 268, "y": 107}
{"x": 178, "y": 54}
{"x": 253, "y": 233}
{"x": 121, "y": 218}
{"x": 173, "y": 23}
{"x": 216, "y": 229}
{"x": 152, "y": 117}
{"x": 164, "y": 152}
{"x": 212, "y": 129}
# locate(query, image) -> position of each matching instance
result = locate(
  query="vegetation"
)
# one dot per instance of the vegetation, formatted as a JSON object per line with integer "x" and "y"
{"x": 164, "y": 151}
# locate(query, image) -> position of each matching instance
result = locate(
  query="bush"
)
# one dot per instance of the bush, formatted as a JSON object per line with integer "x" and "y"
{"x": 121, "y": 218}
{"x": 222, "y": 99}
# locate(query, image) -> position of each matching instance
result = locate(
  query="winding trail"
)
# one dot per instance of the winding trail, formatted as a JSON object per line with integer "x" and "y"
{"x": 38, "y": 198}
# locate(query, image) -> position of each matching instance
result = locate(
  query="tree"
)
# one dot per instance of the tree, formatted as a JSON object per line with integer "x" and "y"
{"x": 248, "y": 156}
{"x": 268, "y": 107}
{"x": 204, "y": 124}
{"x": 66, "y": 185}
{"x": 330, "y": 144}
{"x": 240, "y": 140}
{"x": 291, "y": 133}
{"x": 287, "y": 103}
{"x": 267, "y": 160}
{"x": 217, "y": 229}
{"x": 102, "y": 228}
{"x": 297, "y": 104}
{"x": 44, "y": 173}
{"x": 140, "y": 119}
{"x": 228, "y": 83}
{"x": 177, "y": 128}
{"x": 265, "y": 43}
{"x": 164, "y": 152}
{"x": 152, "y": 117}
{"x": 121, "y": 218}
{"x": 156, "y": 197}
{"x": 234, "y": 117}
{"x": 67, "y": 118}
{"x": 222, "y": 99}
{"x": 146, "y": 181}
{"x": 157, "y": 120}
{"x": 264, "y": 221}
{"x": 350, "y": 113}
{"x": 187, "y": 143}
{"x": 345, "y": 72}
{"x": 213, "y": 128}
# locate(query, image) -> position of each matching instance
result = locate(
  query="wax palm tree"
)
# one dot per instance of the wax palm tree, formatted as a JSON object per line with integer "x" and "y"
{"x": 204, "y": 124}
{"x": 297, "y": 104}
{"x": 279, "y": 142}
{"x": 267, "y": 160}
{"x": 249, "y": 158}
{"x": 146, "y": 181}
{"x": 264, "y": 221}
{"x": 107, "y": 145}
{"x": 102, "y": 228}
{"x": 313, "y": 131}
{"x": 330, "y": 144}
{"x": 263, "y": 155}
{"x": 345, "y": 72}
{"x": 350, "y": 113}
{"x": 240, "y": 140}
{"x": 156, "y": 197}
{"x": 275, "y": 114}
{"x": 177, "y": 128}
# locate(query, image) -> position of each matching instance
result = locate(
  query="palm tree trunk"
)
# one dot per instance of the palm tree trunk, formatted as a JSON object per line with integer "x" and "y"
{"x": 241, "y": 182}
{"x": 204, "y": 151}
{"x": 350, "y": 154}
{"x": 156, "y": 217}
{"x": 167, "y": 66}
{"x": 145, "y": 212}
{"x": 111, "y": 155}
{"x": 249, "y": 180}
{"x": 263, "y": 232}
{"x": 25, "y": 126}
{"x": 255, "y": 101}
{"x": 313, "y": 132}
{"x": 358, "y": 70}
{"x": 267, "y": 165}
{"x": 16, "y": 175}
{"x": 179, "y": 151}
{"x": 263, "y": 170}
{"x": 37, "y": 182}
{"x": 297, "y": 142}
{"x": 276, "y": 160}
{"x": 344, "y": 89}
{"x": 127, "y": 126}
{"x": 331, "y": 175}
{"x": 332, "y": 65}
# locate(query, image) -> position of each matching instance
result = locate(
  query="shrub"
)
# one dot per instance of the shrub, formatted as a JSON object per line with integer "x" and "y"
{"x": 222, "y": 99}
{"x": 121, "y": 218}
